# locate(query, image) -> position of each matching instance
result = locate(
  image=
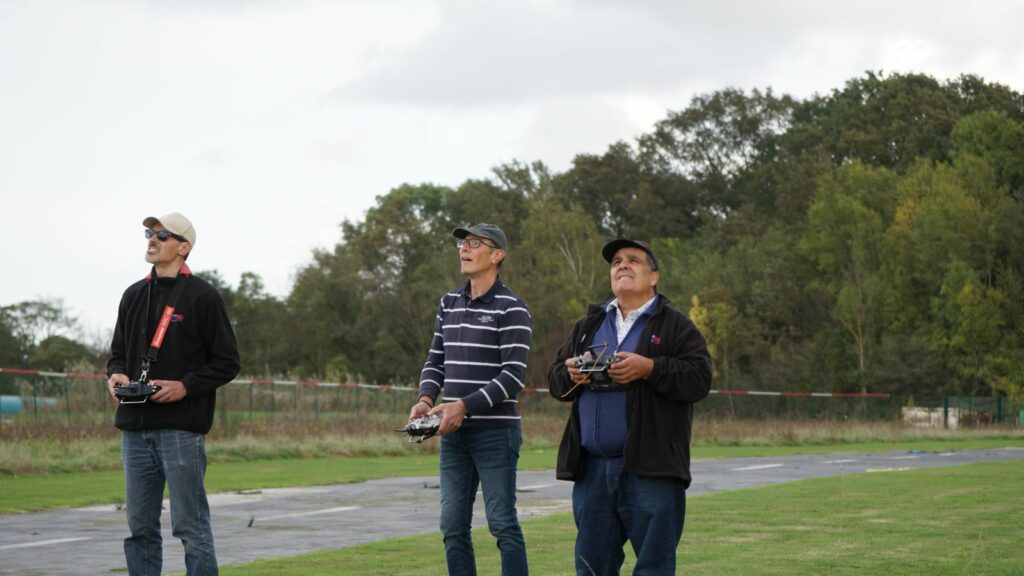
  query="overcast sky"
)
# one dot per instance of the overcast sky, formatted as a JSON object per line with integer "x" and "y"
{"x": 269, "y": 122}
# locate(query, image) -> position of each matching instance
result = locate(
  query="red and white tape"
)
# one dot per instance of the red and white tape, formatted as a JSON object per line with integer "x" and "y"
{"x": 802, "y": 394}
{"x": 385, "y": 387}
{"x": 53, "y": 374}
{"x": 308, "y": 383}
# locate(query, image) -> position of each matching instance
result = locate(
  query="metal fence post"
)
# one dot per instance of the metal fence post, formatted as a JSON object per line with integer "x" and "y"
{"x": 224, "y": 407}
{"x": 316, "y": 401}
{"x": 67, "y": 400}
{"x": 945, "y": 411}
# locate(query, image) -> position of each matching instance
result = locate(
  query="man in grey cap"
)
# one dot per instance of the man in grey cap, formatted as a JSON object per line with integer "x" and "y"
{"x": 475, "y": 368}
{"x": 173, "y": 333}
{"x": 626, "y": 444}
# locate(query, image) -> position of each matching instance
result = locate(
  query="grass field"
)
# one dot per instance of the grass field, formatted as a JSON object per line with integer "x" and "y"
{"x": 34, "y": 448}
{"x": 963, "y": 520}
{"x": 35, "y": 492}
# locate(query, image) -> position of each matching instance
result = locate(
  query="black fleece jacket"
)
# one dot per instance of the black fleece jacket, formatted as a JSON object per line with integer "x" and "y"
{"x": 199, "y": 349}
{"x": 659, "y": 410}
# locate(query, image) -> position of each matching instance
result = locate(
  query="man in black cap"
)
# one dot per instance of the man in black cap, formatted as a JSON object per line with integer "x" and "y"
{"x": 627, "y": 442}
{"x": 475, "y": 369}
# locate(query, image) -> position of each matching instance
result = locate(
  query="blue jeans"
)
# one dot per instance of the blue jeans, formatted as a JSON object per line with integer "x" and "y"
{"x": 152, "y": 458}
{"x": 611, "y": 506}
{"x": 470, "y": 457}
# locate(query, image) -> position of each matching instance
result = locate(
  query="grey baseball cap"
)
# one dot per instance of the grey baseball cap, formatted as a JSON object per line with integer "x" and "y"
{"x": 614, "y": 246}
{"x": 489, "y": 231}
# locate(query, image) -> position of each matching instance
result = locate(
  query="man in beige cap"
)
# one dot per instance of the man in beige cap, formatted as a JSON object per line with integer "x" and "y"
{"x": 172, "y": 335}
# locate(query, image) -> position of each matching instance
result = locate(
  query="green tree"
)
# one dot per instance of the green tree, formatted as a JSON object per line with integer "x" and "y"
{"x": 846, "y": 225}
{"x": 718, "y": 320}
{"x": 405, "y": 260}
{"x": 999, "y": 140}
{"x": 976, "y": 95}
{"x": 476, "y": 201}
{"x": 36, "y": 320}
{"x": 882, "y": 120}
{"x": 259, "y": 319}
{"x": 825, "y": 237}
{"x": 559, "y": 272}
{"x": 216, "y": 279}
{"x": 603, "y": 186}
{"x": 627, "y": 197}
{"x": 939, "y": 220}
{"x": 972, "y": 333}
{"x": 61, "y": 354}
{"x": 325, "y": 312}
{"x": 716, "y": 141}
{"x": 10, "y": 344}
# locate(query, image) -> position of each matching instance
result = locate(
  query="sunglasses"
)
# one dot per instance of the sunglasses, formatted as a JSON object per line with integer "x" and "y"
{"x": 163, "y": 235}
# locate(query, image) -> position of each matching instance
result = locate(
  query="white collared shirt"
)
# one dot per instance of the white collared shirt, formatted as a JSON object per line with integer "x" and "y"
{"x": 622, "y": 325}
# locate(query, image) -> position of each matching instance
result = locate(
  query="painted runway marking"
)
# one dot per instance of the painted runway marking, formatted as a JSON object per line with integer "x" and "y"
{"x": 532, "y": 488}
{"x": 847, "y": 461}
{"x": 759, "y": 467}
{"x": 915, "y": 457}
{"x": 313, "y": 513}
{"x": 41, "y": 543}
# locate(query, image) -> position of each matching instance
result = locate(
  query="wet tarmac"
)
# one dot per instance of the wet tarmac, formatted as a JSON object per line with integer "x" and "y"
{"x": 277, "y": 522}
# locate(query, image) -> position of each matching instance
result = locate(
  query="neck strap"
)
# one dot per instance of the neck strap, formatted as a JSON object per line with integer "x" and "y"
{"x": 164, "y": 325}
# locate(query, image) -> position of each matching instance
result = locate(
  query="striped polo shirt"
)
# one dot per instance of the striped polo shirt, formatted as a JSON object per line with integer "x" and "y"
{"x": 479, "y": 354}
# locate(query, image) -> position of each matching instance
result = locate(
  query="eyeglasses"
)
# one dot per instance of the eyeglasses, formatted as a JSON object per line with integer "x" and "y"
{"x": 473, "y": 243}
{"x": 163, "y": 235}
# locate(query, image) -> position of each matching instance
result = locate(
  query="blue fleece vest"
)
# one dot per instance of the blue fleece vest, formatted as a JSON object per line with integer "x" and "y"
{"x": 603, "y": 414}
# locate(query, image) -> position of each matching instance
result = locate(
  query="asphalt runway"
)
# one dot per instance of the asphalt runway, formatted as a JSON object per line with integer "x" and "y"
{"x": 287, "y": 521}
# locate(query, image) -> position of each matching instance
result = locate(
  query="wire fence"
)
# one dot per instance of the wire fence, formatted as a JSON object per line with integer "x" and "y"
{"x": 70, "y": 398}
{"x": 73, "y": 398}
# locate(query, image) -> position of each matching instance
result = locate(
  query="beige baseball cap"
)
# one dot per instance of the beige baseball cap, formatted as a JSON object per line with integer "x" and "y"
{"x": 175, "y": 223}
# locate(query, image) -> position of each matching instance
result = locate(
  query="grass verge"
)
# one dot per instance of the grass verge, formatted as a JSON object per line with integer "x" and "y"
{"x": 31, "y": 493}
{"x": 940, "y": 521}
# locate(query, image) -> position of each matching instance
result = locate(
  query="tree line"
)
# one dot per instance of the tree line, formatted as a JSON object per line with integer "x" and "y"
{"x": 871, "y": 238}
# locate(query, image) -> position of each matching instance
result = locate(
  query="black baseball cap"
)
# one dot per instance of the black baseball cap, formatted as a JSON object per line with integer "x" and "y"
{"x": 614, "y": 246}
{"x": 489, "y": 231}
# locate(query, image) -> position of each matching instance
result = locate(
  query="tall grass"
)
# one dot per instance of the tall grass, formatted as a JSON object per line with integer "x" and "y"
{"x": 39, "y": 448}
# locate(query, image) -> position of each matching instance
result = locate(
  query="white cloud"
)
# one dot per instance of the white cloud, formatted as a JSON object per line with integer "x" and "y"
{"x": 269, "y": 122}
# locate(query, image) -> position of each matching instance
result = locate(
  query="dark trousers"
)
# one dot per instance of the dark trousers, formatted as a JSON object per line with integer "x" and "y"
{"x": 611, "y": 506}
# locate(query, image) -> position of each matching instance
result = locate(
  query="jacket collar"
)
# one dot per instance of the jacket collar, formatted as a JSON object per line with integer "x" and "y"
{"x": 658, "y": 306}
{"x": 185, "y": 271}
